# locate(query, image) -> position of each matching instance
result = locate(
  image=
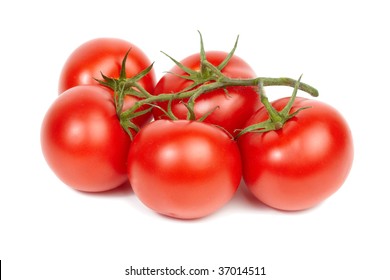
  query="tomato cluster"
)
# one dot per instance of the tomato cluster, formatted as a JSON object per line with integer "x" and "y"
{"x": 186, "y": 141}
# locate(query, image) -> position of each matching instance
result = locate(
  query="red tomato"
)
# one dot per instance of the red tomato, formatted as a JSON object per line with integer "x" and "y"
{"x": 301, "y": 164}
{"x": 82, "y": 140}
{"x": 233, "y": 109}
{"x": 184, "y": 169}
{"x": 105, "y": 55}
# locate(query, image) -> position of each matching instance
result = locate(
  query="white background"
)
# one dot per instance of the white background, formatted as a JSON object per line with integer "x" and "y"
{"x": 49, "y": 231}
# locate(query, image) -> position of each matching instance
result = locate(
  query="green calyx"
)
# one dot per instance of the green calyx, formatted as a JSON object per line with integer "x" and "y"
{"x": 207, "y": 74}
{"x": 123, "y": 86}
{"x": 276, "y": 118}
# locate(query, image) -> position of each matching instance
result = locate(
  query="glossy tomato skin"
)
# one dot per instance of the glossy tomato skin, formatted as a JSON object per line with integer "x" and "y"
{"x": 83, "y": 142}
{"x": 234, "y": 108}
{"x": 301, "y": 164}
{"x": 184, "y": 169}
{"x": 105, "y": 55}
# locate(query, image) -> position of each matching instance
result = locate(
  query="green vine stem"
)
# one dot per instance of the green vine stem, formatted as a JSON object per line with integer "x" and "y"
{"x": 223, "y": 82}
{"x": 210, "y": 78}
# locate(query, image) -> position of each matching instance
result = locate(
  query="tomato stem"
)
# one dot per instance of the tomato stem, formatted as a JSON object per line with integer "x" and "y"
{"x": 220, "y": 83}
{"x": 208, "y": 79}
{"x": 277, "y": 119}
{"x": 273, "y": 114}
